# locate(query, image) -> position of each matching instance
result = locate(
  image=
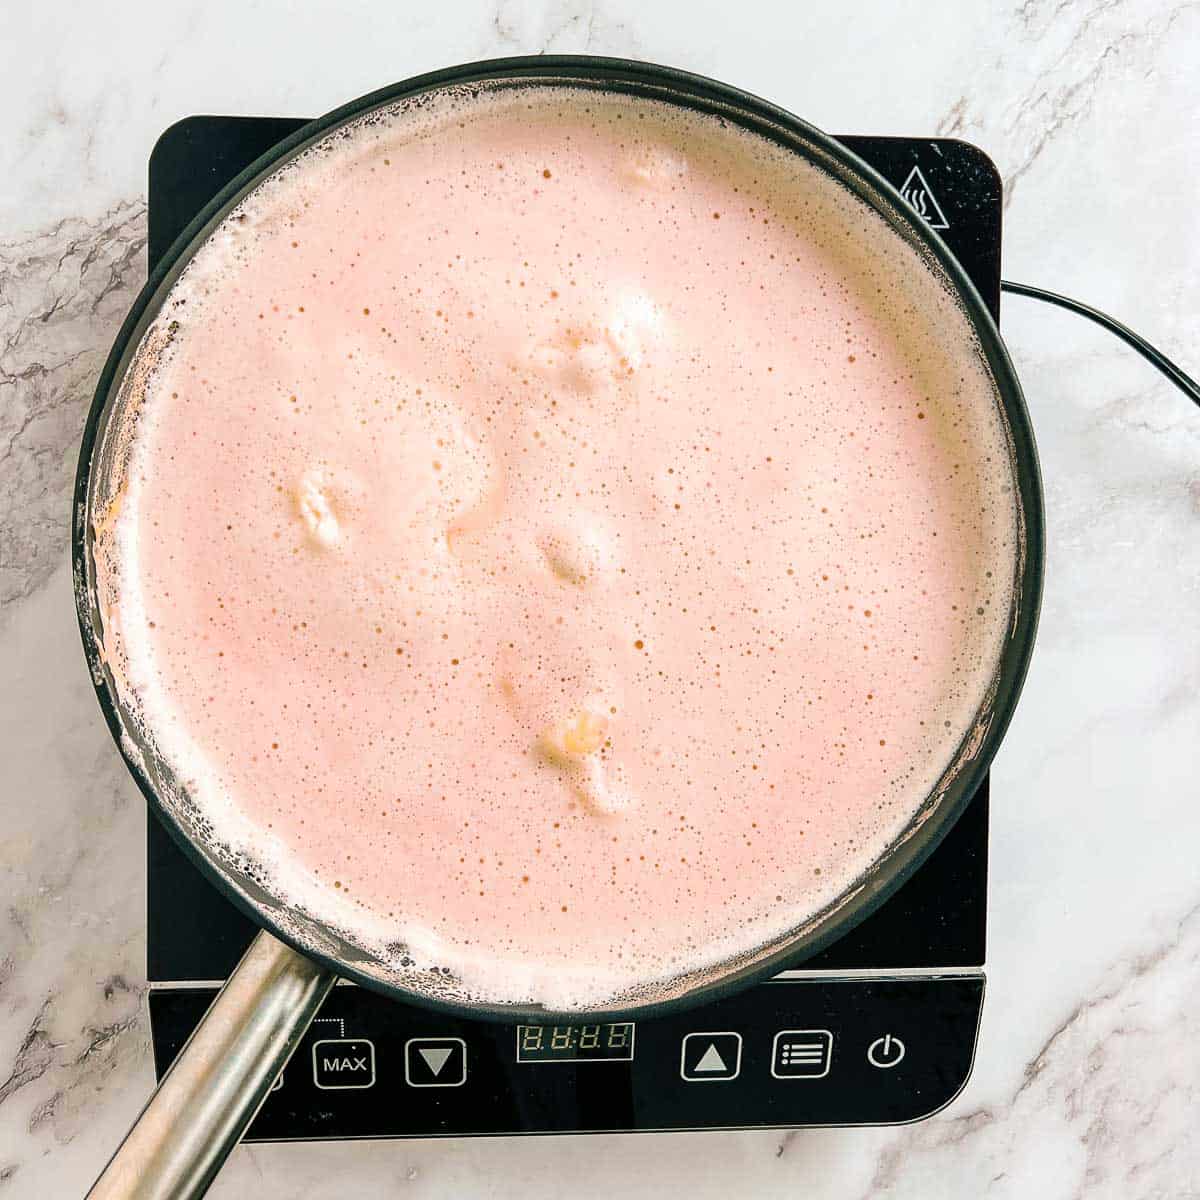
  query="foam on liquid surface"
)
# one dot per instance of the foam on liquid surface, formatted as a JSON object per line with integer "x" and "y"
{"x": 565, "y": 536}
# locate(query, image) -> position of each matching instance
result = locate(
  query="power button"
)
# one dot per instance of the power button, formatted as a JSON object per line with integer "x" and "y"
{"x": 885, "y": 1052}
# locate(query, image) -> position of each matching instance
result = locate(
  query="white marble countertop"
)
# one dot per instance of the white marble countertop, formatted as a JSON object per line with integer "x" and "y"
{"x": 1087, "y": 1082}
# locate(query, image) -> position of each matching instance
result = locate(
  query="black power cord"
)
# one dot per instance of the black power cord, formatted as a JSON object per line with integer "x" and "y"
{"x": 1184, "y": 382}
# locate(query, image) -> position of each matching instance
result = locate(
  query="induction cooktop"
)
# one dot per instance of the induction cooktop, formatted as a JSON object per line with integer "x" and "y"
{"x": 878, "y": 1028}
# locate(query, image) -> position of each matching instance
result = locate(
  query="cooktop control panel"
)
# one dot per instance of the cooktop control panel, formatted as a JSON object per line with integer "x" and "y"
{"x": 798, "y": 1050}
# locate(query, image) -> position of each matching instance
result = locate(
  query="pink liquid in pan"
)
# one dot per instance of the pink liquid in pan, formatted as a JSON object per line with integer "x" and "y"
{"x": 565, "y": 535}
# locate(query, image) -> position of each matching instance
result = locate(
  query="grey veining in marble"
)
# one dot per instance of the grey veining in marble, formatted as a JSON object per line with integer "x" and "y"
{"x": 63, "y": 295}
{"x": 1087, "y": 1079}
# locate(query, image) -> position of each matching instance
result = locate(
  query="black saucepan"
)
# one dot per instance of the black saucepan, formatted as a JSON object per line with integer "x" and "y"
{"x": 222, "y": 1076}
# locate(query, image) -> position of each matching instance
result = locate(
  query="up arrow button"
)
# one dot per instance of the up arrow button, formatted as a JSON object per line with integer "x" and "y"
{"x": 710, "y": 1057}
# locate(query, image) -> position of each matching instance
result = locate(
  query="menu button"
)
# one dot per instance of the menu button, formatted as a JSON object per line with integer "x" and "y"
{"x": 802, "y": 1054}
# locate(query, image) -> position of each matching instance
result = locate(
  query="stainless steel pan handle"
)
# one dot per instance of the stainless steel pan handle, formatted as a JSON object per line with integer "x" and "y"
{"x": 220, "y": 1078}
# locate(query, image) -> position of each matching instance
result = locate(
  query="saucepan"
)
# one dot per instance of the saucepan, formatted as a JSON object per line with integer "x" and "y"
{"x": 223, "y": 1074}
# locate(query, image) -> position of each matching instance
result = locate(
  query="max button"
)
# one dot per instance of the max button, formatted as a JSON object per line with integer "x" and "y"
{"x": 343, "y": 1063}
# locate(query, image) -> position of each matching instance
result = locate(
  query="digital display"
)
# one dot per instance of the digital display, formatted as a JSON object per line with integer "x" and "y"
{"x": 575, "y": 1043}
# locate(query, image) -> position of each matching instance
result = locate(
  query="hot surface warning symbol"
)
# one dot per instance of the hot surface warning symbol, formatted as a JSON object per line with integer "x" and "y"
{"x": 924, "y": 203}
